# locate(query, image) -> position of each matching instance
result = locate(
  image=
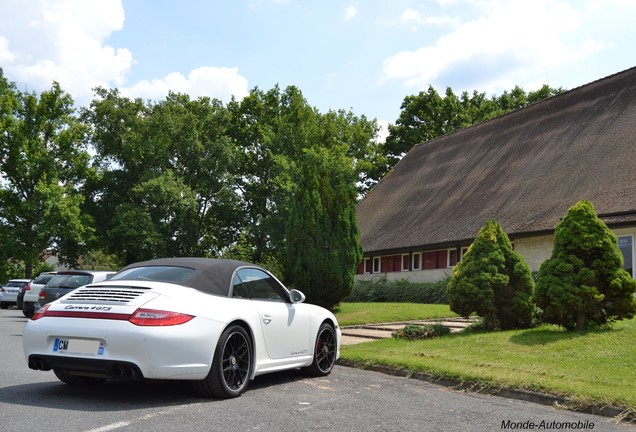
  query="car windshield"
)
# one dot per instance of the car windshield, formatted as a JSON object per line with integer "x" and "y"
{"x": 156, "y": 273}
{"x": 41, "y": 280}
{"x": 69, "y": 281}
{"x": 15, "y": 284}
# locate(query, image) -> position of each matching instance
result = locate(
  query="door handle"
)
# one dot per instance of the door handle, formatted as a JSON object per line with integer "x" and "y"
{"x": 267, "y": 318}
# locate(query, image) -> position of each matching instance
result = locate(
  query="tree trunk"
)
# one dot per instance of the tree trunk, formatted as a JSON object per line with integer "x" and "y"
{"x": 28, "y": 270}
{"x": 580, "y": 321}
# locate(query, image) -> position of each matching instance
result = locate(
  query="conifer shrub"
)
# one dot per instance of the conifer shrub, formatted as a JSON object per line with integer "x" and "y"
{"x": 323, "y": 249}
{"x": 583, "y": 282}
{"x": 493, "y": 281}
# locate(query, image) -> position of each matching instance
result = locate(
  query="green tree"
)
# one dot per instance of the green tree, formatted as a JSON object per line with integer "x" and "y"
{"x": 493, "y": 281}
{"x": 271, "y": 131}
{"x": 43, "y": 167}
{"x": 583, "y": 280}
{"x": 164, "y": 187}
{"x": 323, "y": 242}
{"x": 427, "y": 115}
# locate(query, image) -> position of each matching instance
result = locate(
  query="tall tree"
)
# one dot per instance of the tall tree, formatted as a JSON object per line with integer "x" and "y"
{"x": 43, "y": 165}
{"x": 164, "y": 187}
{"x": 323, "y": 242}
{"x": 271, "y": 131}
{"x": 583, "y": 280}
{"x": 428, "y": 115}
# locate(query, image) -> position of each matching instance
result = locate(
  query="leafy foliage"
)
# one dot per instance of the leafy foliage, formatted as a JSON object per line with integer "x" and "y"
{"x": 323, "y": 242}
{"x": 43, "y": 166}
{"x": 583, "y": 282}
{"x": 493, "y": 281}
{"x": 163, "y": 187}
{"x": 399, "y": 291}
{"x": 428, "y": 115}
{"x": 271, "y": 131}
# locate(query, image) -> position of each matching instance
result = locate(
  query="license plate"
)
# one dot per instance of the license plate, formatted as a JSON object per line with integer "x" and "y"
{"x": 87, "y": 347}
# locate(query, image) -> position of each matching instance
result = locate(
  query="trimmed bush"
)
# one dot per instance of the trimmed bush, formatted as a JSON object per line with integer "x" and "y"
{"x": 583, "y": 282}
{"x": 493, "y": 281}
{"x": 400, "y": 291}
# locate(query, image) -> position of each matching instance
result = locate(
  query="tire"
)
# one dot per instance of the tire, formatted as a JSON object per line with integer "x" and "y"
{"x": 68, "y": 378}
{"x": 28, "y": 309}
{"x": 231, "y": 367}
{"x": 324, "y": 352}
{"x": 4, "y": 305}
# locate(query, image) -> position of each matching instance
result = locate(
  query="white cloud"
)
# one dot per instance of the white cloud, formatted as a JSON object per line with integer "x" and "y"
{"x": 383, "y": 131}
{"x": 350, "y": 12}
{"x": 503, "y": 34}
{"x": 45, "y": 41}
{"x": 221, "y": 83}
{"x": 6, "y": 56}
{"x": 415, "y": 19}
{"x": 42, "y": 41}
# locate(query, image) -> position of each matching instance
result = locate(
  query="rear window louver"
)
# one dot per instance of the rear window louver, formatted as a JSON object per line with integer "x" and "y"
{"x": 106, "y": 294}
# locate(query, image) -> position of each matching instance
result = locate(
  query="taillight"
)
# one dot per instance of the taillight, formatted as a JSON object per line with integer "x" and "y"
{"x": 28, "y": 288}
{"x": 40, "y": 312}
{"x": 152, "y": 317}
{"x": 42, "y": 295}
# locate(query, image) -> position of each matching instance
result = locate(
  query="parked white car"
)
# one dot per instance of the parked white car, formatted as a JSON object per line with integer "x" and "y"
{"x": 31, "y": 295}
{"x": 216, "y": 323}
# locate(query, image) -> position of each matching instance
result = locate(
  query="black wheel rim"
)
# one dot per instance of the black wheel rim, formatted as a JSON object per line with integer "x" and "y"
{"x": 236, "y": 361}
{"x": 325, "y": 349}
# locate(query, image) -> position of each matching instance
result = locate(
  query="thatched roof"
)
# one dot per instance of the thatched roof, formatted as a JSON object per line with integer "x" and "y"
{"x": 523, "y": 169}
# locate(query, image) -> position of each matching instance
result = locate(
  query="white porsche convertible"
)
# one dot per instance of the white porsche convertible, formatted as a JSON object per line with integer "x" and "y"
{"x": 217, "y": 323}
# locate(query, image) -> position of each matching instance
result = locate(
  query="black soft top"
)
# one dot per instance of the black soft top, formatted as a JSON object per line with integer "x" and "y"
{"x": 211, "y": 275}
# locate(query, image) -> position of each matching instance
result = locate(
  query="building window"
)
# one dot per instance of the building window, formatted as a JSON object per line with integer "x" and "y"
{"x": 417, "y": 261}
{"x": 367, "y": 266}
{"x": 391, "y": 263}
{"x": 435, "y": 259}
{"x": 405, "y": 262}
{"x": 626, "y": 245}
{"x": 452, "y": 257}
{"x": 376, "y": 265}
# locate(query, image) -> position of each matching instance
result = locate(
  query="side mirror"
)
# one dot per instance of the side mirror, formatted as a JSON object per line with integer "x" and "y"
{"x": 296, "y": 296}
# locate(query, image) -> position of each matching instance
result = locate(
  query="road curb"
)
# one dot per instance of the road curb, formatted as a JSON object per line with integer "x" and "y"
{"x": 560, "y": 402}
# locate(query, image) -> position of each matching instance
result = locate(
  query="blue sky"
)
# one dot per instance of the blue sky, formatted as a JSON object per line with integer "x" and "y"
{"x": 359, "y": 55}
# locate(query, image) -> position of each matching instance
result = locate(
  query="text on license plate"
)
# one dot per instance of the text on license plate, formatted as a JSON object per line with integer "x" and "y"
{"x": 79, "y": 346}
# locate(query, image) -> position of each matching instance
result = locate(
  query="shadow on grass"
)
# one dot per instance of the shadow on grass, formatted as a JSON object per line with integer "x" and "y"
{"x": 550, "y": 334}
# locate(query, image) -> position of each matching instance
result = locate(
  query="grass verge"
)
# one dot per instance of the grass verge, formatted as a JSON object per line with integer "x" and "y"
{"x": 592, "y": 367}
{"x": 367, "y": 313}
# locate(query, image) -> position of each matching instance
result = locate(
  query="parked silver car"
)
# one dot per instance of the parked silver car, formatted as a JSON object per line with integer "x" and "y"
{"x": 32, "y": 293}
{"x": 10, "y": 292}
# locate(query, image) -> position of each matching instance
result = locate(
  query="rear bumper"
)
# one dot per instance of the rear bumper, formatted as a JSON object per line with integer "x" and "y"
{"x": 171, "y": 352}
{"x": 104, "y": 368}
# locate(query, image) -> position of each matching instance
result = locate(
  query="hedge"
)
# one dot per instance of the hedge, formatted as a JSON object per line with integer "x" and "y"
{"x": 399, "y": 291}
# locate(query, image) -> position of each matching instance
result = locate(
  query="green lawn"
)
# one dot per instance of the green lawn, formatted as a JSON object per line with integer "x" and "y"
{"x": 588, "y": 367}
{"x": 366, "y": 313}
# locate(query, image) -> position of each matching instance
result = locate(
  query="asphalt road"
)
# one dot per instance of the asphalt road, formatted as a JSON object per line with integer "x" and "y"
{"x": 347, "y": 400}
